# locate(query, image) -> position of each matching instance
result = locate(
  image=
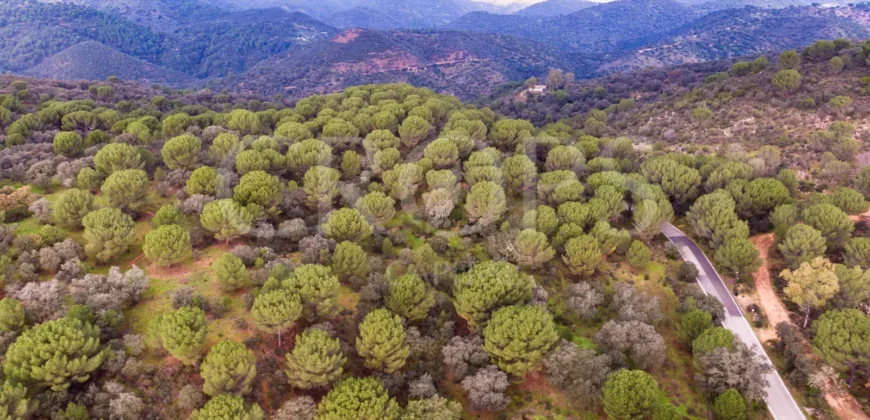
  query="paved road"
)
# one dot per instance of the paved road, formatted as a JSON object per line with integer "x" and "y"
{"x": 779, "y": 400}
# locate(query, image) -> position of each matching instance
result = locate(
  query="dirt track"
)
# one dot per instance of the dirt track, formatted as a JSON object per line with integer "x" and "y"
{"x": 841, "y": 401}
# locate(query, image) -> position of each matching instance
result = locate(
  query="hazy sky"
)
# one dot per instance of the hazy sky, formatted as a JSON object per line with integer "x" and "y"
{"x": 523, "y": 2}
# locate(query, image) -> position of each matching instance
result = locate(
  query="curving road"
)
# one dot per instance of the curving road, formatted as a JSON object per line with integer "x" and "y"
{"x": 779, "y": 400}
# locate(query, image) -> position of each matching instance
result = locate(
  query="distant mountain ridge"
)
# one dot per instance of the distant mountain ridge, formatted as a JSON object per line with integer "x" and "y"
{"x": 464, "y": 64}
{"x": 604, "y": 28}
{"x": 243, "y": 46}
{"x": 404, "y": 14}
{"x": 555, "y": 7}
{"x": 92, "y": 60}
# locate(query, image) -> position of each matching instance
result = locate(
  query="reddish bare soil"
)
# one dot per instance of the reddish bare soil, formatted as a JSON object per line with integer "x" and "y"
{"x": 767, "y": 298}
{"x": 839, "y": 399}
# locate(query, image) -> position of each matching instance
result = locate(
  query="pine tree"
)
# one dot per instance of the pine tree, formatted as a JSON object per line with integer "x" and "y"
{"x": 231, "y": 273}
{"x": 582, "y": 255}
{"x": 276, "y": 310}
{"x": 229, "y": 367}
{"x": 486, "y": 203}
{"x": 71, "y": 207}
{"x": 167, "y": 245}
{"x": 738, "y": 256}
{"x": 811, "y": 285}
{"x": 630, "y": 394}
{"x": 33, "y": 357}
{"x": 518, "y": 337}
{"x": 182, "y": 332}
{"x": 410, "y": 297}
{"x": 108, "y": 233}
{"x": 487, "y": 286}
{"x": 349, "y": 260}
{"x": 316, "y": 360}
{"x": 377, "y": 207}
{"x": 358, "y": 398}
{"x": 181, "y": 152}
{"x": 320, "y": 184}
{"x": 347, "y": 225}
{"x": 381, "y": 341}
{"x": 11, "y": 315}
{"x": 842, "y": 337}
{"x": 317, "y": 289}
{"x": 638, "y": 255}
{"x": 226, "y": 218}
{"x": 532, "y": 248}
{"x": 126, "y": 189}
{"x": 204, "y": 180}
{"x": 729, "y": 405}
{"x": 228, "y": 406}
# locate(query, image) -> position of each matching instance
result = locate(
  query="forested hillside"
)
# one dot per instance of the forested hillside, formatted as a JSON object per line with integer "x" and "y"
{"x": 267, "y": 47}
{"x": 458, "y": 63}
{"x": 387, "y": 252}
{"x": 208, "y": 44}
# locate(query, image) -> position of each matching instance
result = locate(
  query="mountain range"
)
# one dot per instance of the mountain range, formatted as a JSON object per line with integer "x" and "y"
{"x": 464, "y": 47}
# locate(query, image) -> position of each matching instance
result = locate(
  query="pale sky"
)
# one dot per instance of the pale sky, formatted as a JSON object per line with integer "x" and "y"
{"x": 523, "y": 2}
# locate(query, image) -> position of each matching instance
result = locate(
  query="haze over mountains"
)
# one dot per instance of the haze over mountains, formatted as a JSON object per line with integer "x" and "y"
{"x": 298, "y": 47}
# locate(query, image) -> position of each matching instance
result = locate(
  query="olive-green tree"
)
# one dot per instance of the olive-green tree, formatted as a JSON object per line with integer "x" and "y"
{"x": 811, "y": 285}
{"x": 358, "y": 398}
{"x": 833, "y": 223}
{"x": 414, "y": 130}
{"x": 786, "y": 80}
{"x": 381, "y": 341}
{"x": 181, "y": 152}
{"x": 377, "y": 207}
{"x": 229, "y": 367}
{"x": 802, "y": 243}
{"x": 167, "y": 245}
{"x": 55, "y": 353}
{"x": 11, "y": 315}
{"x": 182, "y": 332}
{"x": 320, "y": 184}
{"x": 738, "y": 256}
{"x": 517, "y": 337}
{"x": 316, "y": 360}
{"x": 730, "y": 405}
{"x": 630, "y": 394}
{"x": 126, "y": 189}
{"x": 274, "y": 311}
{"x": 243, "y": 121}
{"x": 350, "y": 260}
{"x": 532, "y": 248}
{"x": 487, "y": 286}
{"x": 108, "y": 233}
{"x": 228, "y": 406}
{"x": 520, "y": 173}
{"x": 230, "y": 273}
{"x": 486, "y": 203}
{"x": 842, "y": 338}
{"x": 402, "y": 180}
{"x": 226, "y": 219}
{"x": 68, "y": 143}
{"x": 410, "y": 297}
{"x": 71, "y": 207}
{"x": 203, "y": 180}
{"x": 168, "y": 214}
{"x": 118, "y": 156}
{"x": 582, "y": 255}
{"x": 259, "y": 188}
{"x": 638, "y": 254}
{"x": 318, "y": 290}
{"x": 224, "y": 147}
{"x": 347, "y": 224}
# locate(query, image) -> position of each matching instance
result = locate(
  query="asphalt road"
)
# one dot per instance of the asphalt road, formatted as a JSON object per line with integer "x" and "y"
{"x": 779, "y": 400}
